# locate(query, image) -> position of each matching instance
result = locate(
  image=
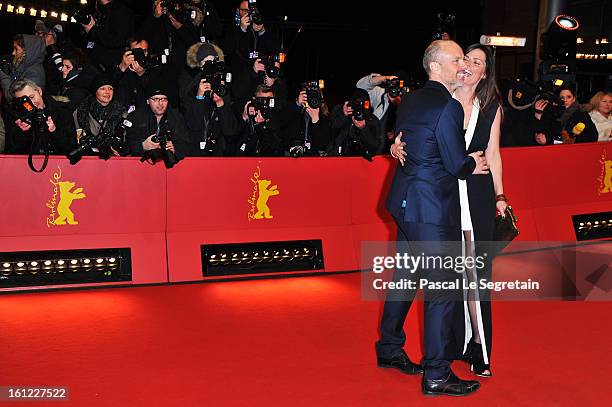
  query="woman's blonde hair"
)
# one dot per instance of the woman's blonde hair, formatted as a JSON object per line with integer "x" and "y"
{"x": 594, "y": 102}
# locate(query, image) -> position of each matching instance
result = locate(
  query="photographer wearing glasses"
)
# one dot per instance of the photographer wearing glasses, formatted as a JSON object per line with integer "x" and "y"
{"x": 357, "y": 130}
{"x": 40, "y": 125}
{"x": 157, "y": 129}
{"x": 306, "y": 127}
{"x": 260, "y": 135}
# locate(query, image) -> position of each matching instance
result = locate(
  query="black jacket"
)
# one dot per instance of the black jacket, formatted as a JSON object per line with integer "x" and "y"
{"x": 114, "y": 25}
{"x": 142, "y": 123}
{"x": 60, "y": 142}
{"x": 351, "y": 141}
{"x": 210, "y": 125}
{"x": 298, "y": 130}
{"x": 261, "y": 139}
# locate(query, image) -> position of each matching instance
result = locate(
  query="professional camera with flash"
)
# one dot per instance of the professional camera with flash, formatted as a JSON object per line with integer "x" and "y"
{"x": 215, "y": 73}
{"x": 313, "y": 93}
{"x": 360, "y": 108}
{"x": 263, "y": 105}
{"x": 394, "y": 87}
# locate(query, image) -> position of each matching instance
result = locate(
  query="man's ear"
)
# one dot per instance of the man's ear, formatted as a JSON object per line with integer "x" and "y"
{"x": 434, "y": 66}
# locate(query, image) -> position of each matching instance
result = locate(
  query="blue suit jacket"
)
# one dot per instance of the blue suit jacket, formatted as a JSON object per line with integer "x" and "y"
{"x": 432, "y": 125}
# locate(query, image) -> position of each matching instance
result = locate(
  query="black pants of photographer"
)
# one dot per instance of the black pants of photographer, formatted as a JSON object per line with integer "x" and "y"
{"x": 441, "y": 306}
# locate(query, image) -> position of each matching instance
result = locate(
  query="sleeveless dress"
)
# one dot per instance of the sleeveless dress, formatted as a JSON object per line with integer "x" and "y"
{"x": 478, "y": 210}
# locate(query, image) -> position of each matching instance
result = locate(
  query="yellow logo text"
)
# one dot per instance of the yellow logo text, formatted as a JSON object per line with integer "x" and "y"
{"x": 262, "y": 191}
{"x": 60, "y": 211}
{"x": 605, "y": 179}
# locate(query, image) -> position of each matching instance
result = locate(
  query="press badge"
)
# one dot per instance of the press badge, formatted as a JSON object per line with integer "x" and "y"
{"x": 202, "y": 145}
{"x": 90, "y": 45}
{"x": 127, "y": 123}
{"x": 254, "y": 55}
{"x": 202, "y": 39}
{"x": 243, "y": 147}
{"x": 307, "y": 145}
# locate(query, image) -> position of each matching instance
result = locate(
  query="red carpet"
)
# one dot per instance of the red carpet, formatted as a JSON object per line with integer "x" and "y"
{"x": 291, "y": 342}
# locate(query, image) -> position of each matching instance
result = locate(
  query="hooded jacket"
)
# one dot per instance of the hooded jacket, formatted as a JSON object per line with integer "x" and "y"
{"x": 30, "y": 67}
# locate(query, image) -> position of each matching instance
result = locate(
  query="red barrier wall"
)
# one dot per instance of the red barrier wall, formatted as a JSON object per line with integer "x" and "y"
{"x": 214, "y": 200}
{"x": 124, "y": 206}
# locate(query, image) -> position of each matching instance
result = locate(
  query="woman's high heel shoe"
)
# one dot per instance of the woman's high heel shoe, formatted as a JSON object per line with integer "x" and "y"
{"x": 477, "y": 364}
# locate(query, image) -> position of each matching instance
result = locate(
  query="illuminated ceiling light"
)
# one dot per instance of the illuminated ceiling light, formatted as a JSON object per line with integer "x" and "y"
{"x": 83, "y": 1}
{"x": 597, "y": 41}
{"x": 10, "y": 8}
{"x": 604, "y": 40}
{"x": 579, "y": 40}
{"x": 33, "y": 12}
{"x": 43, "y": 14}
{"x": 54, "y": 14}
{"x": 567, "y": 22}
{"x": 64, "y": 17}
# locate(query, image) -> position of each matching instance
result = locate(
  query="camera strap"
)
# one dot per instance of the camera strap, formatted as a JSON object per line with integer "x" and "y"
{"x": 35, "y": 140}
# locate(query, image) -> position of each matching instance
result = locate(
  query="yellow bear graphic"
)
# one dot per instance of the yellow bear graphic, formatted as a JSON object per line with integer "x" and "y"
{"x": 607, "y": 181}
{"x": 263, "y": 211}
{"x": 66, "y": 198}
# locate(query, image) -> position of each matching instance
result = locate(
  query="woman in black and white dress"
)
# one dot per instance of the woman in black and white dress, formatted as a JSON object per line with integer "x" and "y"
{"x": 481, "y": 197}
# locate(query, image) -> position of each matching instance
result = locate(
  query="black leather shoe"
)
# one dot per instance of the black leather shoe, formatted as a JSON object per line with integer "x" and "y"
{"x": 402, "y": 363}
{"x": 451, "y": 386}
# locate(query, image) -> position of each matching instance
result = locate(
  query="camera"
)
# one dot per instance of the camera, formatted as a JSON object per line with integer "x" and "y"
{"x": 214, "y": 72}
{"x": 105, "y": 142}
{"x": 263, "y": 105}
{"x": 177, "y": 9}
{"x": 313, "y": 93}
{"x": 360, "y": 108}
{"x": 150, "y": 61}
{"x": 162, "y": 137}
{"x": 23, "y": 108}
{"x": 269, "y": 62}
{"x": 82, "y": 16}
{"x": 394, "y": 87}
{"x": 256, "y": 17}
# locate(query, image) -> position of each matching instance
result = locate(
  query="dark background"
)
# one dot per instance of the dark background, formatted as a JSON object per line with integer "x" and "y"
{"x": 343, "y": 41}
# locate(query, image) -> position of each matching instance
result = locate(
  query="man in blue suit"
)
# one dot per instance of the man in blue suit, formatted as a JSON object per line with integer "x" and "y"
{"x": 424, "y": 200}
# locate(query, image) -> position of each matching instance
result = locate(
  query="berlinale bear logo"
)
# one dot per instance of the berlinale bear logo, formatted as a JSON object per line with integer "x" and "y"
{"x": 61, "y": 214}
{"x": 605, "y": 179}
{"x": 262, "y": 191}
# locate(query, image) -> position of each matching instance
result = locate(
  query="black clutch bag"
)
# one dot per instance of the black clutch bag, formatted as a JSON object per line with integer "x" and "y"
{"x": 505, "y": 227}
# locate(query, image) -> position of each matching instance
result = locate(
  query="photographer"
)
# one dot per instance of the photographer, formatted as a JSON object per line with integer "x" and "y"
{"x": 76, "y": 79}
{"x": 47, "y": 128}
{"x": 357, "y": 129}
{"x": 246, "y": 43}
{"x": 386, "y": 94}
{"x": 569, "y": 125}
{"x": 131, "y": 75}
{"x": 27, "y": 61}
{"x": 56, "y": 47}
{"x": 163, "y": 30}
{"x": 98, "y": 116}
{"x": 210, "y": 121}
{"x": 260, "y": 135}
{"x": 147, "y": 128}
{"x": 108, "y": 31}
{"x": 189, "y": 78}
{"x": 267, "y": 74}
{"x": 306, "y": 128}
